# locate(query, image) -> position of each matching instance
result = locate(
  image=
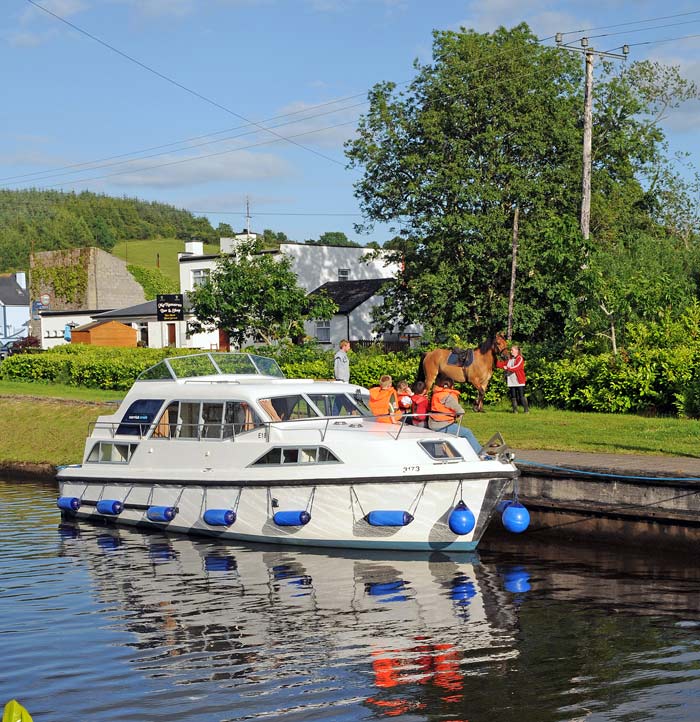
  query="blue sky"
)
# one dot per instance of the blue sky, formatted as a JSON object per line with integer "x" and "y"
{"x": 67, "y": 99}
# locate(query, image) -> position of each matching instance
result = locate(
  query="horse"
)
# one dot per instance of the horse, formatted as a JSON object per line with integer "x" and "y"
{"x": 478, "y": 373}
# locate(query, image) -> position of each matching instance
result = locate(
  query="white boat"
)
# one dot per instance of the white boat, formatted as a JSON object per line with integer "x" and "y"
{"x": 222, "y": 444}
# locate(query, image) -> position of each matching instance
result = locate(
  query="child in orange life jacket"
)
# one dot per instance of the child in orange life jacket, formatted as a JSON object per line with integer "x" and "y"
{"x": 384, "y": 401}
{"x": 403, "y": 391}
{"x": 419, "y": 404}
{"x": 445, "y": 411}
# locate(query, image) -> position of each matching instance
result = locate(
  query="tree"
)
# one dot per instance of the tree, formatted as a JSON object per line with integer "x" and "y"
{"x": 224, "y": 230}
{"x": 332, "y": 238}
{"x": 490, "y": 124}
{"x": 253, "y": 294}
{"x": 272, "y": 239}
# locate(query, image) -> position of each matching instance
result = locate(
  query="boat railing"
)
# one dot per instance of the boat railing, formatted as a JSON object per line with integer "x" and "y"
{"x": 213, "y": 431}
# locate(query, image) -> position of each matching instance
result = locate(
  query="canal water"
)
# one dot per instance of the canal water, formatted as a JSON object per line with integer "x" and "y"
{"x": 99, "y": 624}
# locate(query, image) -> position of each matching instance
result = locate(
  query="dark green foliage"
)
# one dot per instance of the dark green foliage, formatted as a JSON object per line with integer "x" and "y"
{"x": 494, "y": 122}
{"x": 153, "y": 281}
{"x": 332, "y": 238}
{"x": 36, "y": 220}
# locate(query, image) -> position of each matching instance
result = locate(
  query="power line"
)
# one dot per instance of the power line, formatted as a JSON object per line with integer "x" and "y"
{"x": 631, "y": 22}
{"x": 180, "y": 85}
{"x": 92, "y": 165}
{"x": 201, "y": 137}
{"x": 504, "y": 52}
{"x": 200, "y": 157}
{"x": 273, "y": 213}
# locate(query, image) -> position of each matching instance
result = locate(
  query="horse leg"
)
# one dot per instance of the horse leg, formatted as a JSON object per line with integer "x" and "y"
{"x": 479, "y": 405}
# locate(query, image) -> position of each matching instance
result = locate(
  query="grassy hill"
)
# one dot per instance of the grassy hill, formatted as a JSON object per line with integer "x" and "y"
{"x": 156, "y": 253}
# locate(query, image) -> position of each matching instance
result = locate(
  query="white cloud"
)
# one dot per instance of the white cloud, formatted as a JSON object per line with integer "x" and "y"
{"x": 241, "y": 165}
{"x": 327, "y": 126}
{"x": 27, "y": 39}
{"x": 62, "y": 8}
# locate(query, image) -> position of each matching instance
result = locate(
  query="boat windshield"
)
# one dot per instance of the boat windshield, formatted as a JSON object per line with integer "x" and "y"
{"x": 211, "y": 364}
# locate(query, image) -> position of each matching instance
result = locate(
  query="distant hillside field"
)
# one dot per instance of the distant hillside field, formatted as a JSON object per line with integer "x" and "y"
{"x": 157, "y": 253}
{"x": 42, "y": 220}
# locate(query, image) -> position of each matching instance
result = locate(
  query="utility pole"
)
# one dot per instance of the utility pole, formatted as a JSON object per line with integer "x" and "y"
{"x": 247, "y": 217}
{"x": 589, "y": 55}
{"x": 513, "y": 271}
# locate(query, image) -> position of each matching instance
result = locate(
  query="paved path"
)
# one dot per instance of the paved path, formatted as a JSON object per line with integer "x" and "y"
{"x": 632, "y": 464}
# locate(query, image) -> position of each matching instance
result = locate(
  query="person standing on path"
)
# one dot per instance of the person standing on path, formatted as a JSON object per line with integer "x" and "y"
{"x": 515, "y": 378}
{"x": 341, "y": 363}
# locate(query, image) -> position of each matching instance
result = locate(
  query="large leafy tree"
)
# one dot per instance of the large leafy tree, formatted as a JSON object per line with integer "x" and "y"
{"x": 494, "y": 123}
{"x": 490, "y": 124}
{"x": 255, "y": 295}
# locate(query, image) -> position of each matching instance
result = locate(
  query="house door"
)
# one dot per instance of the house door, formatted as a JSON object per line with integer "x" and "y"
{"x": 224, "y": 343}
{"x": 171, "y": 335}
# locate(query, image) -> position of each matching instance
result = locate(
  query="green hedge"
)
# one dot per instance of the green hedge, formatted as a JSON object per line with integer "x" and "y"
{"x": 662, "y": 381}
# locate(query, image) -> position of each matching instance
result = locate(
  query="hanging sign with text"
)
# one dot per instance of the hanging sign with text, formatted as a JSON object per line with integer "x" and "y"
{"x": 169, "y": 307}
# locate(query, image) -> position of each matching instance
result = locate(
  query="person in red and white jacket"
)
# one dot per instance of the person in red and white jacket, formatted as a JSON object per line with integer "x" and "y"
{"x": 515, "y": 378}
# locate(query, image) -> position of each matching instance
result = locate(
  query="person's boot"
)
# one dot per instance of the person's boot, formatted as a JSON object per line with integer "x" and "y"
{"x": 525, "y": 405}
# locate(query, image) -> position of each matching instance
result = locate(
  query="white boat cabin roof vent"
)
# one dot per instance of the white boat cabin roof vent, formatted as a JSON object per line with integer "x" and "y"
{"x": 213, "y": 366}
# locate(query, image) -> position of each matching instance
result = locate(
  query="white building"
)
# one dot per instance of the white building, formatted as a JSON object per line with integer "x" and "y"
{"x": 14, "y": 307}
{"x": 351, "y": 276}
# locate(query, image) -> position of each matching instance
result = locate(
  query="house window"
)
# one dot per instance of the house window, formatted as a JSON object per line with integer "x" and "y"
{"x": 323, "y": 331}
{"x": 200, "y": 276}
{"x": 343, "y": 274}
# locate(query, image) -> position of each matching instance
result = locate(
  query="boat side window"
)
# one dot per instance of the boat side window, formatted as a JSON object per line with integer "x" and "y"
{"x": 188, "y": 420}
{"x": 334, "y": 404}
{"x": 139, "y": 416}
{"x": 440, "y": 450}
{"x": 297, "y": 455}
{"x": 287, "y": 408}
{"x": 108, "y": 452}
{"x": 166, "y": 428}
{"x": 239, "y": 419}
{"x": 212, "y": 420}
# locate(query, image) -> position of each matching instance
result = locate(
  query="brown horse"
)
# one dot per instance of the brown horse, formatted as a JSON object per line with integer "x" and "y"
{"x": 478, "y": 373}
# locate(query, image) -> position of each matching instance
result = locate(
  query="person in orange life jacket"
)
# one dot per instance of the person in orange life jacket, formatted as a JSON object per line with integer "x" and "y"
{"x": 419, "y": 404}
{"x": 515, "y": 378}
{"x": 384, "y": 402}
{"x": 403, "y": 391}
{"x": 445, "y": 411}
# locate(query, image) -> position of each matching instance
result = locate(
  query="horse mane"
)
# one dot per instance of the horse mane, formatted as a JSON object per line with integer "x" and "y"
{"x": 421, "y": 369}
{"x": 487, "y": 345}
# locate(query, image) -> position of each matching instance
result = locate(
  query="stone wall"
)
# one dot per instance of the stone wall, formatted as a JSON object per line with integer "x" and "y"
{"x": 78, "y": 279}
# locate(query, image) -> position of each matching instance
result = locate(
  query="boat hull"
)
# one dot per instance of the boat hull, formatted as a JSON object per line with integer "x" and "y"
{"x": 339, "y": 513}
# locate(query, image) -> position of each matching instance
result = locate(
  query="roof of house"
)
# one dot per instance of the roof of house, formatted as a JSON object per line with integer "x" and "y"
{"x": 351, "y": 294}
{"x": 92, "y": 325}
{"x": 11, "y": 293}
{"x": 140, "y": 310}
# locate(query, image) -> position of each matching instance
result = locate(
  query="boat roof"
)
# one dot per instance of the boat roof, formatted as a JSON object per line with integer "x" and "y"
{"x": 213, "y": 366}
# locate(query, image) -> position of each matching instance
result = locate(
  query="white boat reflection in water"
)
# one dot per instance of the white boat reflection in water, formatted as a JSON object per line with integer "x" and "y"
{"x": 207, "y": 612}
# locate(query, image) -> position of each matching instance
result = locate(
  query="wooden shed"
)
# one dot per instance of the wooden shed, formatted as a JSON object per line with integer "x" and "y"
{"x": 105, "y": 333}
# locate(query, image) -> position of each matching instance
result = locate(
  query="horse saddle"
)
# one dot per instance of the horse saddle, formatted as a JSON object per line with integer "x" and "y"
{"x": 461, "y": 357}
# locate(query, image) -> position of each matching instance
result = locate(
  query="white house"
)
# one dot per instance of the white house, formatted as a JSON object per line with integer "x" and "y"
{"x": 329, "y": 267}
{"x": 14, "y": 307}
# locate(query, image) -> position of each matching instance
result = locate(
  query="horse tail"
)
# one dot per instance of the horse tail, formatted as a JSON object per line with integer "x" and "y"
{"x": 421, "y": 369}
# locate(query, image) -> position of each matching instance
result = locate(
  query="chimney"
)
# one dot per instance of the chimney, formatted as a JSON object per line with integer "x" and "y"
{"x": 21, "y": 280}
{"x": 194, "y": 248}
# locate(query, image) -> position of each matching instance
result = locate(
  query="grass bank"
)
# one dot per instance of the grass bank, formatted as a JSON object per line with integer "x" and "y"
{"x": 47, "y": 423}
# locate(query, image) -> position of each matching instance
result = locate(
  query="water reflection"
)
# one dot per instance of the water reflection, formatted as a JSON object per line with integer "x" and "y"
{"x": 129, "y": 625}
{"x": 384, "y": 629}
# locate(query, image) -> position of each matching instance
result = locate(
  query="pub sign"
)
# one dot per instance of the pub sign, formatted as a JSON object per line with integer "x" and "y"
{"x": 169, "y": 307}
